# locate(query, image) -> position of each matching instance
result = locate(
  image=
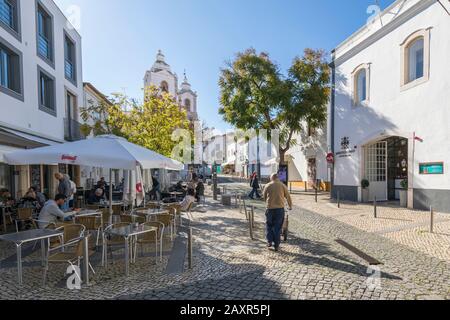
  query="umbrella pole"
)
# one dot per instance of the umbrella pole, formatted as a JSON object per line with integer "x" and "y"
{"x": 110, "y": 195}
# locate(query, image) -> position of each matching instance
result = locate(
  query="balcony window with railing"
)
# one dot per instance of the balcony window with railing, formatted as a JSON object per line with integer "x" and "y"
{"x": 72, "y": 130}
{"x": 69, "y": 69}
{"x": 45, "y": 34}
{"x": 44, "y": 47}
{"x": 7, "y": 13}
{"x": 69, "y": 61}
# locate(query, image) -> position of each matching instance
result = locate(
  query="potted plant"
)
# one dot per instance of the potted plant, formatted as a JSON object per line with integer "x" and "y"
{"x": 404, "y": 193}
{"x": 365, "y": 184}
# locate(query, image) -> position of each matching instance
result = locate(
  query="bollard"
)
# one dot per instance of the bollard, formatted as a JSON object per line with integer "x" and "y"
{"x": 306, "y": 186}
{"x": 245, "y": 209}
{"x": 215, "y": 186}
{"x": 253, "y": 217}
{"x": 431, "y": 220}
{"x": 86, "y": 259}
{"x": 290, "y": 187}
{"x": 251, "y": 223}
{"x": 375, "y": 207}
{"x": 190, "y": 248}
{"x": 316, "y": 194}
{"x": 339, "y": 199}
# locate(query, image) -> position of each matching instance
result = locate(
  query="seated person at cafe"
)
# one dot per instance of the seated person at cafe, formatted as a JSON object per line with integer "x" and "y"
{"x": 199, "y": 190}
{"x": 51, "y": 212}
{"x": 29, "y": 200}
{"x": 96, "y": 196}
{"x": 6, "y": 198}
{"x": 188, "y": 200}
{"x": 40, "y": 197}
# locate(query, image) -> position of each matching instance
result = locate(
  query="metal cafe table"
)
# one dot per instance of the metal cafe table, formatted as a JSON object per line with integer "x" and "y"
{"x": 29, "y": 236}
{"x": 151, "y": 213}
{"x": 129, "y": 232}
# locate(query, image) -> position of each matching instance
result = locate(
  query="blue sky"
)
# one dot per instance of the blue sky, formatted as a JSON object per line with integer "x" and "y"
{"x": 121, "y": 37}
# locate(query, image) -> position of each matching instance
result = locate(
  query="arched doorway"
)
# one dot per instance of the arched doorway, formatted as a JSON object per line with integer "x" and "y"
{"x": 386, "y": 166}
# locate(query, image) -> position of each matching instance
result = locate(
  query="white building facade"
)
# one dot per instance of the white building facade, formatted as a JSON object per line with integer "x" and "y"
{"x": 307, "y": 159}
{"x": 161, "y": 76}
{"x": 390, "y": 107}
{"x": 40, "y": 87}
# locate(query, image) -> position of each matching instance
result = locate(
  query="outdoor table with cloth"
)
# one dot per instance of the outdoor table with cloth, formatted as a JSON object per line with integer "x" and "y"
{"x": 29, "y": 236}
{"x": 128, "y": 233}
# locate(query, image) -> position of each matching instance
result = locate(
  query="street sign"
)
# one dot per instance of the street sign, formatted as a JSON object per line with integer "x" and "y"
{"x": 330, "y": 158}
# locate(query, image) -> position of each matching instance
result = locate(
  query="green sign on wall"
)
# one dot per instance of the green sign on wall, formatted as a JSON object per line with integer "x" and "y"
{"x": 431, "y": 168}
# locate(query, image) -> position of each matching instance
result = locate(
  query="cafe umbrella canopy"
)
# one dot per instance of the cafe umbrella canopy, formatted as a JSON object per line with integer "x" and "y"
{"x": 106, "y": 151}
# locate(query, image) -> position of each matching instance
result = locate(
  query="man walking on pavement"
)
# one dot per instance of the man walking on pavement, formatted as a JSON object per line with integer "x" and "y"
{"x": 275, "y": 195}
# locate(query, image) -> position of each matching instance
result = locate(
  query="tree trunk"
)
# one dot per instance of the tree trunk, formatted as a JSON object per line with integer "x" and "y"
{"x": 282, "y": 157}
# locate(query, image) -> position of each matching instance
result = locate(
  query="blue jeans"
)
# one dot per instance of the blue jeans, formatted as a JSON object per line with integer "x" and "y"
{"x": 254, "y": 191}
{"x": 274, "y": 224}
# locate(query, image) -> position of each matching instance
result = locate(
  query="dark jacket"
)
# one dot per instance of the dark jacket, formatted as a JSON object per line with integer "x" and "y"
{"x": 200, "y": 190}
{"x": 254, "y": 183}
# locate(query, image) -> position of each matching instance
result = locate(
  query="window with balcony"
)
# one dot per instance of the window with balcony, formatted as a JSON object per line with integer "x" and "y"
{"x": 9, "y": 16}
{"x": 69, "y": 59}
{"x": 47, "y": 91}
{"x": 44, "y": 34}
{"x": 10, "y": 71}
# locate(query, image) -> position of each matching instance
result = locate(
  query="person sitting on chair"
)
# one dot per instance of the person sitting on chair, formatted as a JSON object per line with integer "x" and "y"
{"x": 96, "y": 196}
{"x": 188, "y": 200}
{"x": 52, "y": 211}
{"x": 199, "y": 190}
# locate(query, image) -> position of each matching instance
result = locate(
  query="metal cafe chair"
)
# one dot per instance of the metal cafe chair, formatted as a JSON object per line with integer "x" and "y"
{"x": 23, "y": 215}
{"x": 149, "y": 238}
{"x": 65, "y": 256}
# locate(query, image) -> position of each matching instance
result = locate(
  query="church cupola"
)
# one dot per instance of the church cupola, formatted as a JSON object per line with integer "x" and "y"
{"x": 185, "y": 86}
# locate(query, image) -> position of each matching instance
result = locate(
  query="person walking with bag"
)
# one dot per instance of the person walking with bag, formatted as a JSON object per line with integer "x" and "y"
{"x": 275, "y": 195}
{"x": 254, "y": 184}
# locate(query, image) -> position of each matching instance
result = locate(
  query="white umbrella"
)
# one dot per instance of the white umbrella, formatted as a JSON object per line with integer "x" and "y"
{"x": 133, "y": 187}
{"x": 104, "y": 151}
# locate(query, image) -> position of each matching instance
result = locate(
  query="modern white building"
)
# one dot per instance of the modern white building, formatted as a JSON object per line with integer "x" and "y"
{"x": 162, "y": 76}
{"x": 390, "y": 107}
{"x": 40, "y": 87}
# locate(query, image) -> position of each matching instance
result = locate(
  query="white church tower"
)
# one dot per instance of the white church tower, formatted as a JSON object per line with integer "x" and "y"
{"x": 188, "y": 99}
{"x": 161, "y": 76}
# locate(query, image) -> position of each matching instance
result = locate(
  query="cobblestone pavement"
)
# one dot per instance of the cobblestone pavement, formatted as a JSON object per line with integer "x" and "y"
{"x": 407, "y": 227}
{"x": 310, "y": 266}
{"x": 228, "y": 265}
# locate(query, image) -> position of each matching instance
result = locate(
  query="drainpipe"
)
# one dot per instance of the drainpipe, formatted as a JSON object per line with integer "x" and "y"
{"x": 332, "y": 112}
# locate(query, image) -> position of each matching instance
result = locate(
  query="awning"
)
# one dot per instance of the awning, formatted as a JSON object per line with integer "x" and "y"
{"x": 5, "y": 150}
{"x": 36, "y": 139}
{"x": 21, "y": 140}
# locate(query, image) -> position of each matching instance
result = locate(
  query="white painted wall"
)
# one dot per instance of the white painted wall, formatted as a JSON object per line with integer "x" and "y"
{"x": 25, "y": 115}
{"x": 307, "y": 148}
{"x": 156, "y": 78}
{"x": 424, "y": 109}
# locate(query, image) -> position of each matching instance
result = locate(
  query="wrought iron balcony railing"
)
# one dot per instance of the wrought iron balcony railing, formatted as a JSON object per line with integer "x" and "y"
{"x": 72, "y": 130}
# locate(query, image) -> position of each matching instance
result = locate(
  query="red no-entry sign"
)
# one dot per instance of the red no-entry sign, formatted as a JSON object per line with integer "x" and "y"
{"x": 330, "y": 158}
